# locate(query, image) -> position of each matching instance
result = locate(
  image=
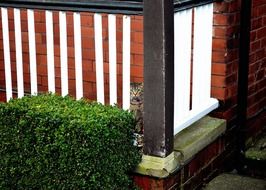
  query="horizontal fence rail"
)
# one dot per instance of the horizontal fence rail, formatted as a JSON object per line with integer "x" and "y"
{"x": 193, "y": 65}
{"x": 79, "y": 63}
{"x": 129, "y": 7}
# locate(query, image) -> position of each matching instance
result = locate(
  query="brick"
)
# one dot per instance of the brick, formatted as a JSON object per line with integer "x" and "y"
{"x": 40, "y": 27}
{"x": 137, "y": 37}
{"x": 219, "y": 56}
{"x": 55, "y": 17}
{"x": 137, "y": 25}
{"x": 222, "y": 19}
{"x": 261, "y": 33}
{"x": 71, "y": 52}
{"x": 253, "y": 110}
{"x": 260, "y": 75}
{"x": 256, "y": 23}
{"x": 253, "y": 36}
{"x": 220, "y": 7}
{"x": 262, "y": 83}
{"x": 219, "y": 31}
{"x": 218, "y": 81}
{"x": 86, "y": 19}
{"x": 137, "y": 48}
{"x": 87, "y": 43}
{"x": 87, "y": 54}
{"x": 23, "y": 15}
{"x": 219, "y": 44}
{"x": 257, "y": 3}
{"x": 69, "y": 18}
{"x": 264, "y": 21}
{"x": 219, "y": 93}
{"x": 260, "y": 54}
{"x": 137, "y": 71}
{"x": 39, "y": 16}
{"x": 10, "y": 13}
{"x": 254, "y": 12}
{"x": 234, "y": 6}
{"x": 70, "y": 30}
{"x": 87, "y": 31}
{"x": 230, "y": 113}
{"x": 138, "y": 59}
{"x": 254, "y": 46}
{"x": 232, "y": 55}
{"x": 262, "y": 10}
{"x": 251, "y": 79}
{"x": 71, "y": 74}
{"x": 232, "y": 43}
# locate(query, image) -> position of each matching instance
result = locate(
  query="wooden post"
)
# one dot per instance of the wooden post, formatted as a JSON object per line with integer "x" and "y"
{"x": 158, "y": 77}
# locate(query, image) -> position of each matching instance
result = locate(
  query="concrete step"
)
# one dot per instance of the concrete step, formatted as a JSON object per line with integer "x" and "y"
{"x": 235, "y": 182}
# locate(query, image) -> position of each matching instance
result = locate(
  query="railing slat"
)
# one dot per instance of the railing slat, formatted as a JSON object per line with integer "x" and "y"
{"x": 112, "y": 58}
{"x": 183, "y": 35}
{"x": 19, "y": 64}
{"x": 63, "y": 53}
{"x": 78, "y": 56}
{"x": 99, "y": 57}
{"x": 32, "y": 52}
{"x": 6, "y": 47}
{"x": 206, "y": 77}
{"x": 50, "y": 51}
{"x": 126, "y": 62}
{"x": 202, "y": 55}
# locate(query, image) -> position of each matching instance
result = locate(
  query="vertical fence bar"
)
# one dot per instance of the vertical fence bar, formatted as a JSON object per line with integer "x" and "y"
{"x": 6, "y": 47}
{"x": 202, "y": 55}
{"x": 63, "y": 53}
{"x": 78, "y": 56}
{"x": 50, "y": 50}
{"x": 32, "y": 52}
{"x": 20, "y": 81}
{"x": 112, "y": 58}
{"x": 208, "y": 18}
{"x": 126, "y": 62}
{"x": 99, "y": 57}
{"x": 183, "y": 35}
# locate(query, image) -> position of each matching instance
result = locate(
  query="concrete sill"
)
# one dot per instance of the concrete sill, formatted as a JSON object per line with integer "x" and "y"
{"x": 193, "y": 139}
{"x": 187, "y": 144}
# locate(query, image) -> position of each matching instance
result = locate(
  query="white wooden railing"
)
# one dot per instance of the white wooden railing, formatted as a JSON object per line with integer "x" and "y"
{"x": 193, "y": 48}
{"x": 193, "y": 65}
{"x": 64, "y": 57}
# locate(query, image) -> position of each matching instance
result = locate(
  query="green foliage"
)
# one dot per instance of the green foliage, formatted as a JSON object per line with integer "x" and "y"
{"x": 53, "y": 142}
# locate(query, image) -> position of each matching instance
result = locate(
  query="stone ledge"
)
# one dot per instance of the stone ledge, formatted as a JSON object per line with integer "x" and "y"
{"x": 196, "y": 137}
{"x": 187, "y": 143}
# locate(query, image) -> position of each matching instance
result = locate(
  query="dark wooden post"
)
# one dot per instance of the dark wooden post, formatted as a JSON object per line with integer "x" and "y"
{"x": 158, "y": 77}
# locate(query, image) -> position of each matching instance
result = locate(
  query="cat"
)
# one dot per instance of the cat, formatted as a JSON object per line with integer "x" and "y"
{"x": 136, "y": 106}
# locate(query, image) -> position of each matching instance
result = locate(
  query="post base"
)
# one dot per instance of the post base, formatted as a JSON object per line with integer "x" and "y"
{"x": 158, "y": 167}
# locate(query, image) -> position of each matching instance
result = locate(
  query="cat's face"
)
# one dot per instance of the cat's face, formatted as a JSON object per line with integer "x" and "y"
{"x": 136, "y": 93}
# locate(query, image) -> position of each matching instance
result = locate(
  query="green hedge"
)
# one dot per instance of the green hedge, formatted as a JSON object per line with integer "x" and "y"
{"x": 53, "y": 142}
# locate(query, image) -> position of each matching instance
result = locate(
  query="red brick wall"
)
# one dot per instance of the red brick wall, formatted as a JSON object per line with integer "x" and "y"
{"x": 257, "y": 58}
{"x": 225, "y": 57}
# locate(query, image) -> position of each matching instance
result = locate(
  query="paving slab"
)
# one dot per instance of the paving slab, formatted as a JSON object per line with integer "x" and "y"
{"x": 235, "y": 182}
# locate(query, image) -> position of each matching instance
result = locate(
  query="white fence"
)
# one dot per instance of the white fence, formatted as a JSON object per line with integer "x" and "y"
{"x": 193, "y": 51}
{"x": 193, "y": 48}
{"x": 63, "y": 55}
